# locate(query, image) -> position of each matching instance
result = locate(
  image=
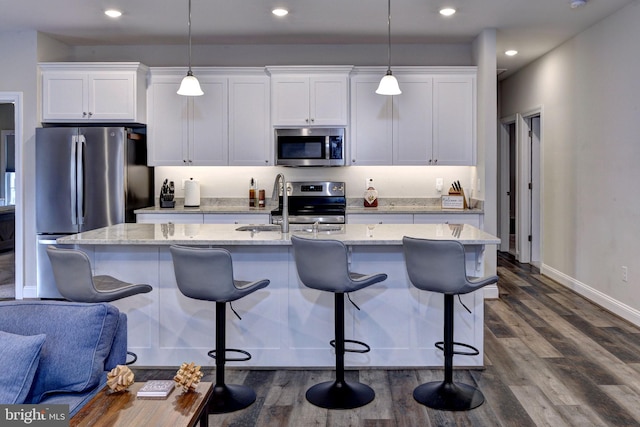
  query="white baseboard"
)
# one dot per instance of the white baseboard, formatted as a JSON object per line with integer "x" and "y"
{"x": 491, "y": 292}
{"x": 605, "y": 301}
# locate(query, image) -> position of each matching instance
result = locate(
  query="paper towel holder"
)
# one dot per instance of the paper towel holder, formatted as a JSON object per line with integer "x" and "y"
{"x": 192, "y": 193}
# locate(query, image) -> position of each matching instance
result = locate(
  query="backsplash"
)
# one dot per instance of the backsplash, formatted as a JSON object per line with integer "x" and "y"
{"x": 392, "y": 182}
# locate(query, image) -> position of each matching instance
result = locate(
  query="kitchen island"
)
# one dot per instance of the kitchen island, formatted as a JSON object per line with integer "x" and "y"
{"x": 286, "y": 324}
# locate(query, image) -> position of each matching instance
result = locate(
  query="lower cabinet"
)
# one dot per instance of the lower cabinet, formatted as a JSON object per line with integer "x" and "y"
{"x": 203, "y": 218}
{"x": 471, "y": 219}
{"x": 379, "y": 218}
{"x": 237, "y": 218}
{"x": 174, "y": 218}
{"x": 392, "y": 218}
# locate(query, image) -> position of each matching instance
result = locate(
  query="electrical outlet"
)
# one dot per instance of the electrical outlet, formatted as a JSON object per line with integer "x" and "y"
{"x": 439, "y": 185}
{"x": 625, "y": 273}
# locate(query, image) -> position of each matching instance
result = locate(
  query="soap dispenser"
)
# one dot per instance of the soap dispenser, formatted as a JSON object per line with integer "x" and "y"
{"x": 370, "y": 195}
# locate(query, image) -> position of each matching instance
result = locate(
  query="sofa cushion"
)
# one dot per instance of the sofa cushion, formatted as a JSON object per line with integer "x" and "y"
{"x": 19, "y": 356}
{"x": 79, "y": 339}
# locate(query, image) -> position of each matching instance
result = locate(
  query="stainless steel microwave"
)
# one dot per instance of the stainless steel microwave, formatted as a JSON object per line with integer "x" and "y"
{"x": 310, "y": 147}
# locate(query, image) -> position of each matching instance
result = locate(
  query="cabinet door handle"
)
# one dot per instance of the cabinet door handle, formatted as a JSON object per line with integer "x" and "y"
{"x": 429, "y": 161}
{"x": 90, "y": 114}
{"x": 435, "y": 161}
{"x": 84, "y": 114}
{"x": 306, "y": 120}
{"x": 313, "y": 120}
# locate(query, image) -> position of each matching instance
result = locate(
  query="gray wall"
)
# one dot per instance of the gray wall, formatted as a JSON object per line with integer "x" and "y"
{"x": 589, "y": 93}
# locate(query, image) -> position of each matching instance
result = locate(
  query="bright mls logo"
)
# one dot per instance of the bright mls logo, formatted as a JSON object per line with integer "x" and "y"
{"x": 34, "y": 415}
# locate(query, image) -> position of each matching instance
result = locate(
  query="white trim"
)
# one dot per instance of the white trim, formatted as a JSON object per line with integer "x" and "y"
{"x": 15, "y": 98}
{"x": 603, "y": 300}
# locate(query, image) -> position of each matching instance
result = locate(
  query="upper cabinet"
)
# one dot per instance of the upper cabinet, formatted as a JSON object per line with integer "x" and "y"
{"x": 309, "y": 96}
{"x": 81, "y": 92}
{"x": 431, "y": 123}
{"x": 228, "y": 125}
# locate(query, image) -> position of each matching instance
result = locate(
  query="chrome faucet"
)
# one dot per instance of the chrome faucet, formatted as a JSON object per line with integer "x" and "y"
{"x": 281, "y": 183}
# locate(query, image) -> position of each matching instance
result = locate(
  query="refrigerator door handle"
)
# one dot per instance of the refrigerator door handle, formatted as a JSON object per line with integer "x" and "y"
{"x": 72, "y": 181}
{"x": 80, "y": 166}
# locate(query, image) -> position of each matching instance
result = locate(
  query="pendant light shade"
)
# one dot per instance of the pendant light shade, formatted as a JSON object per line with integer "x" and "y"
{"x": 190, "y": 85}
{"x": 388, "y": 84}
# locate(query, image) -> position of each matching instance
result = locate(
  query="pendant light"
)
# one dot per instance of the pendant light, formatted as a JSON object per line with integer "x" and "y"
{"x": 389, "y": 84}
{"x": 190, "y": 85}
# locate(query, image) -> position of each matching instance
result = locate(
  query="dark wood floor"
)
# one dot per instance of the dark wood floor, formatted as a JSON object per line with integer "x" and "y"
{"x": 551, "y": 359}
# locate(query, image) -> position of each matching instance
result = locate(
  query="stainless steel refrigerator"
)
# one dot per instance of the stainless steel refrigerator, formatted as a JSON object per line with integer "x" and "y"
{"x": 86, "y": 178}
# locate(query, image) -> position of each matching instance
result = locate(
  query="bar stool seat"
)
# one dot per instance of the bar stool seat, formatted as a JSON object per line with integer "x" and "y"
{"x": 207, "y": 274}
{"x": 75, "y": 281}
{"x": 323, "y": 265}
{"x": 439, "y": 266}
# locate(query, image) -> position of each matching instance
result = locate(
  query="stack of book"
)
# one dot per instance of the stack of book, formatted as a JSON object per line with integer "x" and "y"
{"x": 156, "y": 389}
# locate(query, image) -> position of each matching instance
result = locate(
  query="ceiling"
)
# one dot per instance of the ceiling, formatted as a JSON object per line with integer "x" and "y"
{"x": 533, "y": 27}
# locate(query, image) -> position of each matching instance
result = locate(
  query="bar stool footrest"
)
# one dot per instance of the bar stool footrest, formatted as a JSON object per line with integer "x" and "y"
{"x": 366, "y": 348}
{"x": 212, "y": 354}
{"x": 133, "y": 356}
{"x": 474, "y": 351}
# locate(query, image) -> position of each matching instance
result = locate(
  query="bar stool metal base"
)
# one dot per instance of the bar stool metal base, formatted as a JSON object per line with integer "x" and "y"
{"x": 230, "y": 398}
{"x": 448, "y": 396}
{"x": 340, "y": 395}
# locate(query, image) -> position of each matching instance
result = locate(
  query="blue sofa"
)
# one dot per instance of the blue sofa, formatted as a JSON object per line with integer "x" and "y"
{"x": 57, "y": 352}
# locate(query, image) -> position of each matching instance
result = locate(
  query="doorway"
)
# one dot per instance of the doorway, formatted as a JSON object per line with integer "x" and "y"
{"x": 11, "y": 210}
{"x": 521, "y": 186}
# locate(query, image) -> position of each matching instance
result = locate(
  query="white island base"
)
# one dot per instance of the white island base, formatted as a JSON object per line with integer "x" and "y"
{"x": 285, "y": 324}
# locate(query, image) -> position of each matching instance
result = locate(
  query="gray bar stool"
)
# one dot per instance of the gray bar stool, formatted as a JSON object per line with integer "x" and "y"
{"x": 75, "y": 281}
{"x": 439, "y": 266}
{"x": 323, "y": 265}
{"x": 207, "y": 274}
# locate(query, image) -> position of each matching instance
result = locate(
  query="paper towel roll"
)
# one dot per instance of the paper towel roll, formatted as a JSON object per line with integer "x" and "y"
{"x": 192, "y": 193}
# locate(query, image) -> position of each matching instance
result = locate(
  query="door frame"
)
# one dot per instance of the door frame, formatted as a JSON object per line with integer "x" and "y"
{"x": 16, "y": 98}
{"x": 503, "y": 181}
{"x": 529, "y": 168}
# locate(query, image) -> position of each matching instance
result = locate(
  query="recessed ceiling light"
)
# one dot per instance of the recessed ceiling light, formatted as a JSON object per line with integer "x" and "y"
{"x": 577, "y": 3}
{"x": 280, "y": 11}
{"x": 112, "y": 13}
{"x": 447, "y": 11}
{"x": 511, "y": 52}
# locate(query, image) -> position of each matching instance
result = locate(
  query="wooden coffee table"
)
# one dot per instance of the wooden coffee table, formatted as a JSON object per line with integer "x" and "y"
{"x": 124, "y": 409}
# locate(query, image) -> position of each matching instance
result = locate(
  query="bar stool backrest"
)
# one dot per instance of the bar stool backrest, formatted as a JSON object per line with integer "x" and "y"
{"x": 72, "y": 272}
{"x": 322, "y": 264}
{"x": 435, "y": 265}
{"x": 204, "y": 273}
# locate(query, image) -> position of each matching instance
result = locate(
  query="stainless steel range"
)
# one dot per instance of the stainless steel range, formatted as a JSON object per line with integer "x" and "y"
{"x": 323, "y": 202}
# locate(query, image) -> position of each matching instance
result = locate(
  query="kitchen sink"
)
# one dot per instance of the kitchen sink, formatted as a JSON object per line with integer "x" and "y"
{"x": 319, "y": 228}
{"x": 259, "y": 227}
{"x": 294, "y": 228}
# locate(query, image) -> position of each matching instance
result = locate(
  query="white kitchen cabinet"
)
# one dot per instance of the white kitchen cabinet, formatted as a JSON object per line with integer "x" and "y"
{"x": 231, "y": 218}
{"x": 305, "y": 96}
{"x": 169, "y": 217}
{"x": 432, "y": 122}
{"x": 187, "y": 130}
{"x": 454, "y": 120}
{"x": 93, "y": 92}
{"x": 228, "y": 125}
{"x": 413, "y": 121}
{"x": 371, "y": 123}
{"x": 451, "y": 218}
{"x": 250, "y": 135}
{"x": 379, "y": 218}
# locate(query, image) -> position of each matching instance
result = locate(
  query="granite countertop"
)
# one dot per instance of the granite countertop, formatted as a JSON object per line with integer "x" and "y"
{"x": 226, "y": 234}
{"x": 354, "y": 206}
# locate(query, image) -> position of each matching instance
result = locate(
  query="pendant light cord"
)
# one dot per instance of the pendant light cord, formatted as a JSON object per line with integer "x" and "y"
{"x": 388, "y": 33}
{"x": 189, "y": 25}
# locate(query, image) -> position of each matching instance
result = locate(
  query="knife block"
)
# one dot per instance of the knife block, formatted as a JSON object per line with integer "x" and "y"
{"x": 453, "y": 192}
